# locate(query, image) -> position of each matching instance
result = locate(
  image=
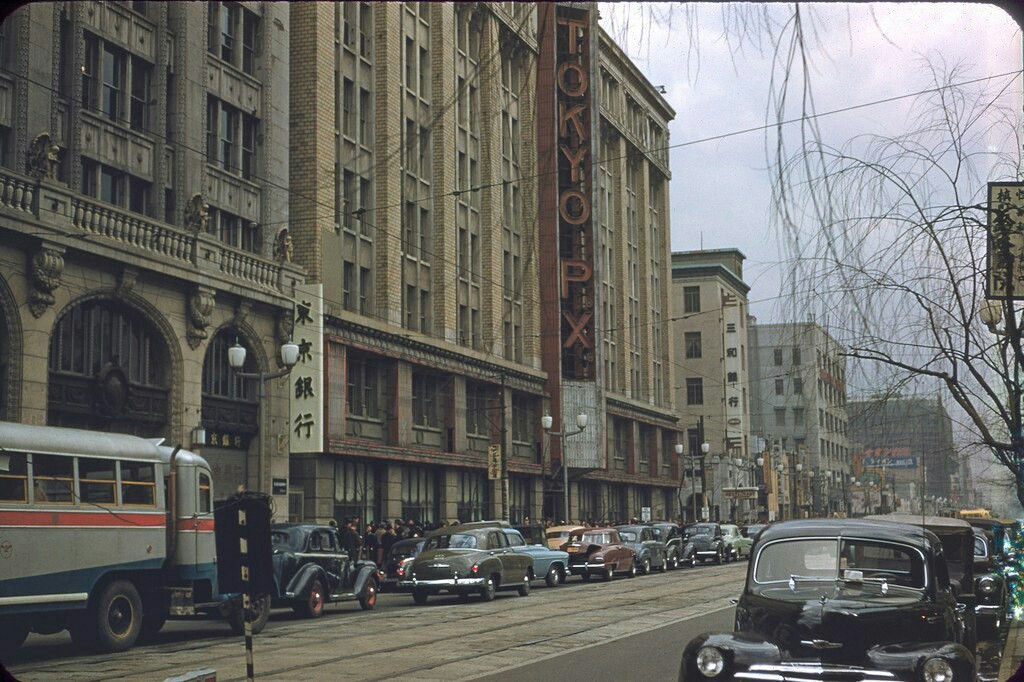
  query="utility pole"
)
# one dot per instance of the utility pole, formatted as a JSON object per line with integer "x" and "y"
{"x": 504, "y": 454}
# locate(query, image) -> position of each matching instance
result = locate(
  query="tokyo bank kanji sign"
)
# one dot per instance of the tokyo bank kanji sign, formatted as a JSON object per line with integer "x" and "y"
{"x": 1005, "y": 263}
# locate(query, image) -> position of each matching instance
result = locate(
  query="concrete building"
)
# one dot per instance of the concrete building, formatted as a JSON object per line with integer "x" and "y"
{"x": 798, "y": 406}
{"x": 425, "y": 142}
{"x": 903, "y": 453}
{"x": 711, "y": 346}
{"x": 143, "y": 188}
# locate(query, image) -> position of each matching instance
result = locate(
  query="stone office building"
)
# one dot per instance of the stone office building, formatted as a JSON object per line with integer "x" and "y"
{"x": 143, "y": 185}
{"x": 418, "y": 207}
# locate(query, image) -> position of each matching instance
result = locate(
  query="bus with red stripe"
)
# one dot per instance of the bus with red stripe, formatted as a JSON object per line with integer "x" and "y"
{"x": 105, "y": 535}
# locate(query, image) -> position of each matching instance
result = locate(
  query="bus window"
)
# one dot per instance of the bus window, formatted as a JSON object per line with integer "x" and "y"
{"x": 53, "y": 478}
{"x": 97, "y": 480}
{"x": 138, "y": 484}
{"x": 13, "y": 477}
{"x": 204, "y": 494}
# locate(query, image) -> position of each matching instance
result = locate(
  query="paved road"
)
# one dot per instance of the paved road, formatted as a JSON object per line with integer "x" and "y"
{"x": 443, "y": 640}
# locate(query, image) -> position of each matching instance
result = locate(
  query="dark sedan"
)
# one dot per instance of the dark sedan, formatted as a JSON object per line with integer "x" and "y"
{"x": 398, "y": 560}
{"x": 708, "y": 542}
{"x": 311, "y": 570}
{"x": 840, "y": 599}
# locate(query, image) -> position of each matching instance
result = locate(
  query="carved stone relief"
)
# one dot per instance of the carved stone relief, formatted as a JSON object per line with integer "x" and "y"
{"x": 45, "y": 271}
{"x": 200, "y": 315}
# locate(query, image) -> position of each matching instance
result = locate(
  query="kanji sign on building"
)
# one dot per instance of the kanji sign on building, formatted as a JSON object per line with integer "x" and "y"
{"x": 493, "y": 462}
{"x": 1005, "y": 273}
{"x": 307, "y": 377}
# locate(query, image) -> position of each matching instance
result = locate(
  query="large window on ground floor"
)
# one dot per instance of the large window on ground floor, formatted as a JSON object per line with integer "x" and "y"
{"x": 420, "y": 498}
{"x": 590, "y": 501}
{"x": 356, "y": 491}
{"x": 618, "y": 511}
{"x": 520, "y": 498}
{"x": 473, "y": 499}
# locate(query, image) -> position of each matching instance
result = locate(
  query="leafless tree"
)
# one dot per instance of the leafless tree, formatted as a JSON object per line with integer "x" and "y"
{"x": 887, "y": 242}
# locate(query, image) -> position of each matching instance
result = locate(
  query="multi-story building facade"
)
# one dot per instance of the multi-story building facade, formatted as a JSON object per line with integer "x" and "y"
{"x": 418, "y": 207}
{"x": 710, "y": 332}
{"x": 904, "y": 448}
{"x": 798, "y": 404}
{"x": 143, "y": 187}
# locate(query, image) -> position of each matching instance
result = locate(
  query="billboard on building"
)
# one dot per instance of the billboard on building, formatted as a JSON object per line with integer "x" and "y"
{"x": 306, "y": 427}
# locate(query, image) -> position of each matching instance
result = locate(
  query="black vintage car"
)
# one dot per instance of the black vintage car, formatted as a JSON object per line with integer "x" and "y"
{"x": 989, "y": 587}
{"x": 472, "y": 558}
{"x": 708, "y": 542}
{"x": 678, "y": 551}
{"x": 398, "y": 561}
{"x": 840, "y": 599}
{"x": 311, "y": 570}
{"x": 649, "y": 550}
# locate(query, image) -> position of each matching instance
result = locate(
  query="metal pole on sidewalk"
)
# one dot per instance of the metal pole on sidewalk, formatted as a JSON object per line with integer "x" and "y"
{"x": 243, "y": 545}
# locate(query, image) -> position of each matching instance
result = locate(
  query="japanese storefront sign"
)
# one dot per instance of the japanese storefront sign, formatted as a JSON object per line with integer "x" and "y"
{"x": 307, "y": 377}
{"x": 493, "y": 462}
{"x": 1005, "y": 272}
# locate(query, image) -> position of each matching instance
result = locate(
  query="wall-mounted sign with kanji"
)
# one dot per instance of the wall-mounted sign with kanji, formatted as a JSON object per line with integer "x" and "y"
{"x": 1005, "y": 275}
{"x": 493, "y": 462}
{"x": 307, "y": 378}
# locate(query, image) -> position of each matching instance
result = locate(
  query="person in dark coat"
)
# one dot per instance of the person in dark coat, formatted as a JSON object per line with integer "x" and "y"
{"x": 350, "y": 540}
{"x": 371, "y": 545}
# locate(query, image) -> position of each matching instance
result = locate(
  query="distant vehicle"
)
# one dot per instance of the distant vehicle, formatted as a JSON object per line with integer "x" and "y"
{"x": 677, "y": 552}
{"x": 739, "y": 546}
{"x": 989, "y": 587}
{"x": 312, "y": 570}
{"x": 551, "y": 565}
{"x": 559, "y": 535}
{"x": 111, "y": 535}
{"x": 708, "y": 542}
{"x": 398, "y": 560}
{"x": 472, "y": 558}
{"x": 649, "y": 550}
{"x": 599, "y": 551}
{"x": 840, "y": 599}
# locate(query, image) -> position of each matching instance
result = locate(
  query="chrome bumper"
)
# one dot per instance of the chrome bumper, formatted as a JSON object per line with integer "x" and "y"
{"x": 587, "y": 567}
{"x": 811, "y": 671}
{"x": 443, "y": 583}
{"x": 987, "y": 610}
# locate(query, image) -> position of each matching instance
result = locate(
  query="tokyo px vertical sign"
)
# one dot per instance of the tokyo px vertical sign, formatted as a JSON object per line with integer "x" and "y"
{"x": 575, "y": 191}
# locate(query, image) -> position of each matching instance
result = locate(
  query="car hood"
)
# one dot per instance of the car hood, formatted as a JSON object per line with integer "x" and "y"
{"x": 701, "y": 541}
{"x": 838, "y": 622}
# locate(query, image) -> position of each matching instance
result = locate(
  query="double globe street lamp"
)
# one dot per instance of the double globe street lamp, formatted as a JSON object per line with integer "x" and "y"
{"x": 236, "y": 360}
{"x": 547, "y": 421}
{"x": 705, "y": 448}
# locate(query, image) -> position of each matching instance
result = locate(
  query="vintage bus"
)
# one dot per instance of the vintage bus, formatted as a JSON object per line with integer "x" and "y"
{"x": 105, "y": 535}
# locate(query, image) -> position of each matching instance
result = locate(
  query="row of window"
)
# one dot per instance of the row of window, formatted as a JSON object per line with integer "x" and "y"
{"x": 60, "y": 479}
{"x": 798, "y": 386}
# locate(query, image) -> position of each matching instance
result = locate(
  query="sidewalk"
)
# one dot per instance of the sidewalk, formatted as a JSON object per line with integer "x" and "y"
{"x": 1013, "y": 652}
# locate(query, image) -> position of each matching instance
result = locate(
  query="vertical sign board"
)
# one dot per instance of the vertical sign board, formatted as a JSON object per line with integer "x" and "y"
{"x": 1005, "y": 276}
{"x": 493, "y": 462}
{"x": 575, "y": 191}
{"x": 307, "y": 377}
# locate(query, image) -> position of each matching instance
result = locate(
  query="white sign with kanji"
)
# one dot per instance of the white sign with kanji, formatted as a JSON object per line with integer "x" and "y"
{"x": 307, "y": 377}
{"x": 1005, "y": 276}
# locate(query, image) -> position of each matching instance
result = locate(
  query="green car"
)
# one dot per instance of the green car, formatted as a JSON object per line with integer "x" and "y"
{"x": 738, "y": 544}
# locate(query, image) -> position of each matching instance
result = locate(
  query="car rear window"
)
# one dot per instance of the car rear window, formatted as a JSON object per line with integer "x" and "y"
{"x": 455, "y": 541}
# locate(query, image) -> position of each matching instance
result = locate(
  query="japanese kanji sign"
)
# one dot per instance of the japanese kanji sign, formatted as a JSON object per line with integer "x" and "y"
{"x": 493, "y": 462}
{"x": 1005, "y": 273}
{"x": 307, "y": 377}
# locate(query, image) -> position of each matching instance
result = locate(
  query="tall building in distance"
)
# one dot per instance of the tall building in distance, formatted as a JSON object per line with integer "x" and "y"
{"x": 424, "y": 140}
{"x": 798, "y": 406}
{"x": 710, "y": 333}
{"x": 903, "y": 452}
{"x": 143, "y": 203}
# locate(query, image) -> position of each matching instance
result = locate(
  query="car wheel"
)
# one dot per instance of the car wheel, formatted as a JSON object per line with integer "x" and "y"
{"x": 609, "y": 573}
{"x": 313, "y": 607}
{"x": 673, "y": 562}
{"x": 632, "y": 571}
{"x": 463, "y": 596}
{"x": 552, "y": 578}
{"x": 524, "y": 589}
{"x": 420, "y": 596}
{"x": 646, "y": 567}
{"x": 487, "y": 591}
{"x": 719, "y": 558}
{"x": 369, "y": 599}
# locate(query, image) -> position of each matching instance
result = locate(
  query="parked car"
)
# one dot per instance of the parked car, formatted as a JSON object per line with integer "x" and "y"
{"x": 311, "y": 570}
{"x": 672, "y": 539}
{"x": 840, "y": 599}
{"x": 708, "y": 543}
{"x": 551, "y": 565}
{"x": 649, "y": 550}
{"x": 398, "y": 560}
{"x": 989, "y": 587}
{"x": 599, "y": 551}
{"x": 957, "y": 538}
{"x": 739, "y": 546}
{"x": 559, "y": 535}
{"x": 471, "y": 558}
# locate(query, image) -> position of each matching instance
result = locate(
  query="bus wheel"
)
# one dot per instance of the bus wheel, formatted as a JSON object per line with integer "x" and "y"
{"x": 13, "y": 636}
{"x": 117, "y": 616}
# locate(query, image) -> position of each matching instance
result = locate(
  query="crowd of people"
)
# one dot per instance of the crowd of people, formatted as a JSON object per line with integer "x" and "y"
{"x": 373, "y": 540}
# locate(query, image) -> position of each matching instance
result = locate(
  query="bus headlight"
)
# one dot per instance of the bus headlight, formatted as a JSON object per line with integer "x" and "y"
{"x": 937, "y": 670}
{"x": 709, "y": 661}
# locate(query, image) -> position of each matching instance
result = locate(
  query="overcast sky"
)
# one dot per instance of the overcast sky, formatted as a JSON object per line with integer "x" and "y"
{"x": 862, "y": 52}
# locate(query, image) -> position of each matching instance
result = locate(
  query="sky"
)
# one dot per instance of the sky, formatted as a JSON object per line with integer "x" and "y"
{"x": 861, "y": 52}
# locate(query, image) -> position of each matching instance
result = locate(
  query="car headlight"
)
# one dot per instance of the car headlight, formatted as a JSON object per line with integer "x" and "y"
{"x": 709, "y": 661}
{"x": 597, "y": 560}
{"x": 987, "y": 584}
{"x": 936, "y": 670}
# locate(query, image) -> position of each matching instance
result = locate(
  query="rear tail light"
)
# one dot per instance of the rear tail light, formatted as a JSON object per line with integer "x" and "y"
{"x": 475, "y": 569}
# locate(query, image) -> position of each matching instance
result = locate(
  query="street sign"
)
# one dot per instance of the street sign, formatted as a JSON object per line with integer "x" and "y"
{"x": 493, "y": 462}
{"x": 1005, "y": 271}
{"x": 740, "y": 493}
{"x": 645, "y": 514}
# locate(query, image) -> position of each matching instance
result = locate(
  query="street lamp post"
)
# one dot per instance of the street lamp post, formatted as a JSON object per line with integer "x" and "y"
{"x": 236, "y": 359}
{"x": 581, "y": 423}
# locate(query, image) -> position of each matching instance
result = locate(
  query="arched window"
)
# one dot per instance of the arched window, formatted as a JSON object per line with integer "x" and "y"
{"x": 109, "y": 370}
{"x": 219, "y": 379}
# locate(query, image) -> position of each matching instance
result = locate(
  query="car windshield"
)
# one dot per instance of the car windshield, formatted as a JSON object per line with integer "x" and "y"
{"x": 627, "y": 535}
{"x": 854, "y": 560}
{"x": 282, "y": 539}
{"x": 591, "y": 538}
{"x": 702, "y": 529}
{"x": 454, "y": 541}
